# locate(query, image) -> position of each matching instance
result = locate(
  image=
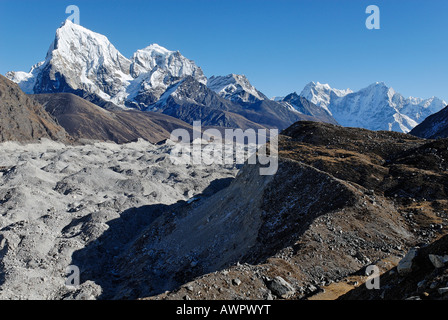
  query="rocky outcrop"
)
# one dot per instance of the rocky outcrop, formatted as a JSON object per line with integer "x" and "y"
{"x": 281, "y": 288}
{"x": 85, "y": 120}
{"x": 405, "y": 265}
{"x": 427, "y": 280}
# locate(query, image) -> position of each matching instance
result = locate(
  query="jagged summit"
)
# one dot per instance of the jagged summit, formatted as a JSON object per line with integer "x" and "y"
{"x": 75, "y": 43}
{"x": 320, "y": 94}
{"x": 235, "y": 87}
{"x": 155, "y": 69}
{"x": 154, "y": 55}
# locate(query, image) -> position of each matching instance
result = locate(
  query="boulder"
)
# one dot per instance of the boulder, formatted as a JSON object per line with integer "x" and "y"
{"x": 405, "y": 265}
{"x": 438, "y": 261}
{"x": 281, "y": 288}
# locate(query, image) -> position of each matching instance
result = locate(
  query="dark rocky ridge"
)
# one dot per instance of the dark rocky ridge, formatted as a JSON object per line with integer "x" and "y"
{"x": 433, "y": 127}
{"x": 85, "y": 120}
{"x": 23, "y": 119}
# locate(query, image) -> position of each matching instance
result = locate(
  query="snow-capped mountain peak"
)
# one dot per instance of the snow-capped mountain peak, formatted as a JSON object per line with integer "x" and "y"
{"x": 27, "y": 80}
{"x": 78, "y": 60}
{"x": 321, "y": 94}
{"x": 145, "y": 60}
{"x": 76, "y": 44}
{"x": 156, "y": 68}
{"x": 87, "y": 63}
{"x": 235, "y": 87}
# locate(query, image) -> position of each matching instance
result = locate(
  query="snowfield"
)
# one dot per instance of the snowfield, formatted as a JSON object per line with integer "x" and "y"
{"x": 57, "y": 199}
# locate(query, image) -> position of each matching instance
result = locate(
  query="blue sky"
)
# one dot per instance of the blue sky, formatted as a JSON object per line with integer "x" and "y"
{"x": 280, "y": 45}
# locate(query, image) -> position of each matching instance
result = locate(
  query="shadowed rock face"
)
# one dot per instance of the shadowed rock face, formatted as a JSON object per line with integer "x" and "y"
{"x": 433, "y": 127}
{"x": 85, "y": 120}
{"x": 23, "y": 119}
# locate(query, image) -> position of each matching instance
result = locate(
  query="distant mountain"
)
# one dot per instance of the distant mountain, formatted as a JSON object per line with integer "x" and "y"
{"x": 278, "y": 98}
{"x": 86, "y": 64}
{"x": 377, "y": 107}
{"x": 322, "y": 94}
{"x": 191, "y": 100}
{"x": 304, "y": 106}
{"x": 22, "y": 118}
{"x": 155, "y": 69}
{"x": 85, "y": 120}
{"x": 237, "y": 88}
{"x": 433, "y": 127}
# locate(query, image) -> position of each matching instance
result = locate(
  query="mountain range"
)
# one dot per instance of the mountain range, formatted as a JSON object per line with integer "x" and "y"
{"x": 376, "y": 107}
{"x": 87, "y": 64}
